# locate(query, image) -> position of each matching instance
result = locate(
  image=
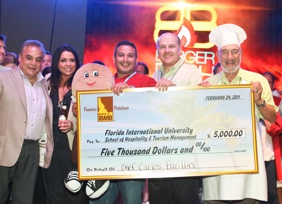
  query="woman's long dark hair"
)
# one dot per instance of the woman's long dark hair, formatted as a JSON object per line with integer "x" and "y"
{"x": 55, "y": 72}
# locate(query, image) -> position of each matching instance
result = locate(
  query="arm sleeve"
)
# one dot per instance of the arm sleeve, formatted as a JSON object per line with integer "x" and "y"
{"x": 276, "y": 128}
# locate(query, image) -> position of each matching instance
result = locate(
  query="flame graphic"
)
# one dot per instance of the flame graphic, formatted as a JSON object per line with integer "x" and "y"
{"x": 186, "y": 34}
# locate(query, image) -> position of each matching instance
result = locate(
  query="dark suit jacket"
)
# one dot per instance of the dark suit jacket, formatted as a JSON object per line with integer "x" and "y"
{"x": 13, "y": 118}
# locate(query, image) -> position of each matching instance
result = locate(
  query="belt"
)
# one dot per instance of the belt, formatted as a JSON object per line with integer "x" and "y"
{"x": 26, "y": 141}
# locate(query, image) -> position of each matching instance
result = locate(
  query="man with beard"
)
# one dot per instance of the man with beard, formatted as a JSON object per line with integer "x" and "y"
{"x": 240, "y": 188}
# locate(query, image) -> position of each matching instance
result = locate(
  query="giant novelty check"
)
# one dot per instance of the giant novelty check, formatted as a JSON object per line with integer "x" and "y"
{"x": 145, "y": 133}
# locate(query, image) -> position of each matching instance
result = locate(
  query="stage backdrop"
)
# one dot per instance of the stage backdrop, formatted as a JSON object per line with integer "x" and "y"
{"x": 141, "y": 22}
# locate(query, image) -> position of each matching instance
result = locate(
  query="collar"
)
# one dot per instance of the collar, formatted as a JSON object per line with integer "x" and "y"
{"x": 237, "y": 80}
{"x": 126, "y": 76}
{"x": 172, "y": 71}
{"x": 39, "y": 76}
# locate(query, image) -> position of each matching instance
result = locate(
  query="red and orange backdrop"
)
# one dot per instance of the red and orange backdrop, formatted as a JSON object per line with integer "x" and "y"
{"x": 142, "y": 21}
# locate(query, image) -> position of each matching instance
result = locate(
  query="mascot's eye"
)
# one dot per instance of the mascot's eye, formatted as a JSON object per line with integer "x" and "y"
{"x": 95, "y": 73}
{"x": 86, "y": 75}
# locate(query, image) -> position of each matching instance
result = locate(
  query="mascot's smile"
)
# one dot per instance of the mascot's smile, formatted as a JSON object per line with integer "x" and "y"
{"x": 91, "y": 84}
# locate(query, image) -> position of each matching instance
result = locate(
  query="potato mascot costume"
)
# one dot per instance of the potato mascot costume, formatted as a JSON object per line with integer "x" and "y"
{"x": 90, "y": 76}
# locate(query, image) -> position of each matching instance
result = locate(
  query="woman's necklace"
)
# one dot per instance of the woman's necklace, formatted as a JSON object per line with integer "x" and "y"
{"x": 62, "y": 92}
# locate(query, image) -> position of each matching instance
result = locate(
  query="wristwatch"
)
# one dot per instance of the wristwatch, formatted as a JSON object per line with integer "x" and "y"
{"x": 262, "y": 104}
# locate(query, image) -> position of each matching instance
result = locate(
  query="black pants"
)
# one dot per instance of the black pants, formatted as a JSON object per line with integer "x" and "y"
{"x": 271, "y": 182}
{"x": 182, "y": 190}
{"x": 21, "y": 177}
{"x": 39, "y": 193}
{"x": 54, "y": 176}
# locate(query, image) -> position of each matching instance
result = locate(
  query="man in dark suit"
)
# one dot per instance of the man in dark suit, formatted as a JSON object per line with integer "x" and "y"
{"x": 26, "y": 118}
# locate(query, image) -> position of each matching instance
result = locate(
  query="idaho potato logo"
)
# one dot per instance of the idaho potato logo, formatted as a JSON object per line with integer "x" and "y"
{"x": 105, "y": 109}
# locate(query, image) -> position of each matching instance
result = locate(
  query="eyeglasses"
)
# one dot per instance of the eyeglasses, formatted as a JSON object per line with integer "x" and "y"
{"x": 233, "y": 52}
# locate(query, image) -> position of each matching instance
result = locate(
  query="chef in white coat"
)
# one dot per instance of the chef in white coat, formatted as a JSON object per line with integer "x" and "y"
{"x": 239, "y": 188}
